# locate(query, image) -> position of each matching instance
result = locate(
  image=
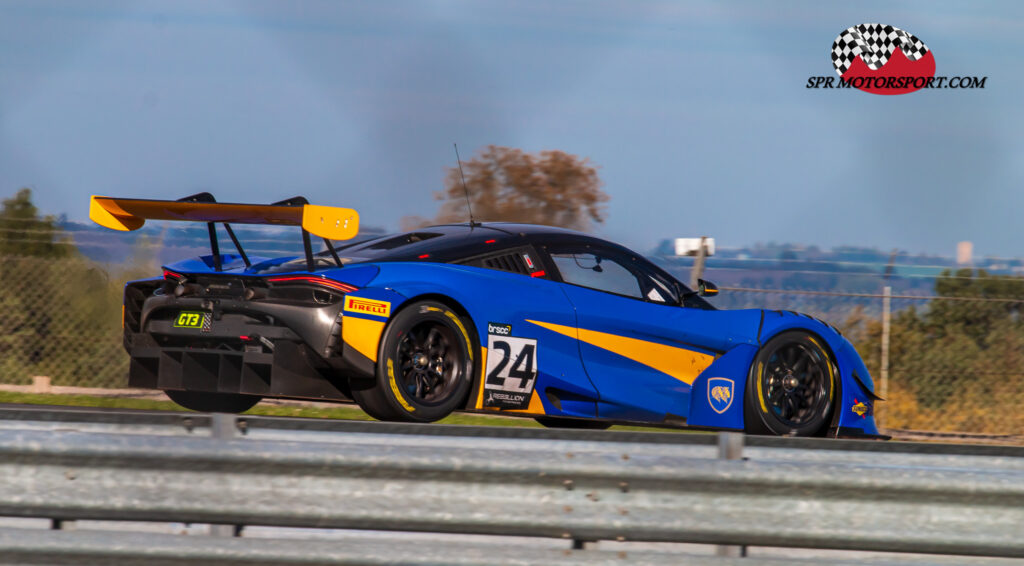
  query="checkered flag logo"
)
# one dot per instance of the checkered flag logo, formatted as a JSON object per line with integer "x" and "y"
{"x": 875, "y": 43}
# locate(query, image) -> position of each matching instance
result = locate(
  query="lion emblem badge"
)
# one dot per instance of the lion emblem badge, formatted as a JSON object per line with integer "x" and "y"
{"x": 720, "y": 393}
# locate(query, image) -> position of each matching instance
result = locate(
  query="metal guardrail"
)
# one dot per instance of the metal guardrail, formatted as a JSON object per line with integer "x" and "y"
{"x": 90, "y": 419}
{"x": 576, "y": 485}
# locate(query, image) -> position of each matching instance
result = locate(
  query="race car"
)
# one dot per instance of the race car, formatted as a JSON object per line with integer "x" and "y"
{"x": 513, "y": 319}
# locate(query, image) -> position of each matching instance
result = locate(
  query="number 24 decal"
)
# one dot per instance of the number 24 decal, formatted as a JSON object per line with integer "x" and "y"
{"x": 511, "y": 363}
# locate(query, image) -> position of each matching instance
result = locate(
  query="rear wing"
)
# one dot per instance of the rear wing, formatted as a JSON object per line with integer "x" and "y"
{"x": 327, "y": 222}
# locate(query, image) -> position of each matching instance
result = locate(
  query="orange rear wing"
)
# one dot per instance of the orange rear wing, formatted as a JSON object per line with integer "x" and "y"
{"x": 327, "y": 222}
{"x": 125, "y": 214}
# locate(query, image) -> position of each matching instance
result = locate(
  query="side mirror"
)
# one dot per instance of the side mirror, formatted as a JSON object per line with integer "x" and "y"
{"x": 706, "y": 288}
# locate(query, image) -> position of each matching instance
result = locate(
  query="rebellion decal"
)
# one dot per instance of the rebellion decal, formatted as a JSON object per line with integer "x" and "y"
{"x": 511, "y": 371}
{"x": 368, "y": 306}
{"x": 720, "y": 393}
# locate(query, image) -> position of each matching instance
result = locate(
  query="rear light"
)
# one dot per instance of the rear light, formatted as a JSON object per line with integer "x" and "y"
{"x": 329, "y": 283}
{"x": 538, "y": 274}
{"x": 173, "y": 277}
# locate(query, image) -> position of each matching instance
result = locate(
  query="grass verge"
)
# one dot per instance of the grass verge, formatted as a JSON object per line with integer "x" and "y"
{"x": 319, "y": 411}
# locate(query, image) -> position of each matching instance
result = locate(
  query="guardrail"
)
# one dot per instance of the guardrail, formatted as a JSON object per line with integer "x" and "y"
{"x": 587, "y": 486}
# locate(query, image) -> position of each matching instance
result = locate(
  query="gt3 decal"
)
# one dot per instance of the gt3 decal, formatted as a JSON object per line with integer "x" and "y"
{"x": 199, "y": 320}
{"x": 720, "y": 393}
{"x": 368, "y": 306}
{"x": 511, "y": 371}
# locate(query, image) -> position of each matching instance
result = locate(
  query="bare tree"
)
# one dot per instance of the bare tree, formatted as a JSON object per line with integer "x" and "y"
{"x": 553, "y": 188}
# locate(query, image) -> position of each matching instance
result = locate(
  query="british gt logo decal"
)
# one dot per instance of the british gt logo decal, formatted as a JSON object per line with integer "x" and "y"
{"x": 368, "y": 306}
{"x": 720, "y": 393}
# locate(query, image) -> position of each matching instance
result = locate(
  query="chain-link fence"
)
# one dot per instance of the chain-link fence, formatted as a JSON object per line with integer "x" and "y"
{"x": 954, "y": 348}
{"x": 61, "y": 318}
{"x": 943, "y": 363}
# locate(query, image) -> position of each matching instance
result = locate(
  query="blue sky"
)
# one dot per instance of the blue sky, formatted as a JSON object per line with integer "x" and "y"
{"x": 696, "y": 112}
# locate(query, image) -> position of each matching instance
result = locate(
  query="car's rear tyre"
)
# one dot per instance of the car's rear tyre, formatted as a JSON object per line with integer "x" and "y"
{"x": 213, "y": 402}
{"x": 559, "y": 422}
{"x": 791, "y": 387}
{"x": 424, "y": 365}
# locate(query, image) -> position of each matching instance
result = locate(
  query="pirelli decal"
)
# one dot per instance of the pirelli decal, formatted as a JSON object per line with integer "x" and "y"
{"x": 368, "y": 306}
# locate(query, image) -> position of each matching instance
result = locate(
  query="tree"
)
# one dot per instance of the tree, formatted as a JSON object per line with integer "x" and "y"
{"x": 24, "y": 233}
{"x": 507, "y": 184}
{"x": 59, "y": 312}
{"x": 957, "y": 363}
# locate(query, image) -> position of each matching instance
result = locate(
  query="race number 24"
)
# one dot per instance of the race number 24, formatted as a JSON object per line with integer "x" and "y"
{"x": 511, "y": 363}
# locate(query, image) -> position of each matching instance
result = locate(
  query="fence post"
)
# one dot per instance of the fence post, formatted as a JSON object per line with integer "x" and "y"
{"x": 223, "y": 427}
{"x": 883, "y": 386}
{"x": 698, "y": 264}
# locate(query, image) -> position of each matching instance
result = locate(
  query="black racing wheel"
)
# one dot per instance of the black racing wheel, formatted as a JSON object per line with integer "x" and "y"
{"x": 424, "y": 366}
{"x": 791, "y": 388}
{"x": 213, "y": 402}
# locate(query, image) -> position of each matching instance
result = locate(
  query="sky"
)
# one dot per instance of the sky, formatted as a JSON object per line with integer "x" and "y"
{"x": 696, "y": 113}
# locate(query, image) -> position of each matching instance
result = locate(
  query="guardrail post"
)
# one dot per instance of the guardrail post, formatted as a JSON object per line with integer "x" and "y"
{"x": 223, "y": 426}
{"x": 730, "y": 447}
{"x": 62, "y": 525}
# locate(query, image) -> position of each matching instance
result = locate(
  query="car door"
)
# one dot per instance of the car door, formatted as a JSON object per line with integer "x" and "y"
{"x": 640, "y": 348}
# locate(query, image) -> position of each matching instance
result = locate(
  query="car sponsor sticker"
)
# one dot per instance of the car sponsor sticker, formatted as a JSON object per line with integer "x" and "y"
{"x": 499, "y": 329}
{"x": 861, "y": 409}
{"x": 368, "y": 306}
{"x": 720, "y": 393}
{"x": 192, "y": 319}
{"x": 511, "y": 368}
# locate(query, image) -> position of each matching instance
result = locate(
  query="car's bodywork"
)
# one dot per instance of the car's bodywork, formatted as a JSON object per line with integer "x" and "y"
{"x": 311, "y": 327}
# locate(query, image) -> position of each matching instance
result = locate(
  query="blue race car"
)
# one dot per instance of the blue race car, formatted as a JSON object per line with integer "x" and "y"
{"x": 503, "y": 318}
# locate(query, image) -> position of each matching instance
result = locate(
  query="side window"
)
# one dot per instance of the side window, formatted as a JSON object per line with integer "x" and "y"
{"x": 660, "y": 291}
{"x": 520, "y": 260}
{"x": 596, "y": 272}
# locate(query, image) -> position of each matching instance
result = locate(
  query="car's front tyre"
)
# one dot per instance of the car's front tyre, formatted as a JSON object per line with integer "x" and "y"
{"x": 424, "y": 366}
{"x": 791, "y": 387}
